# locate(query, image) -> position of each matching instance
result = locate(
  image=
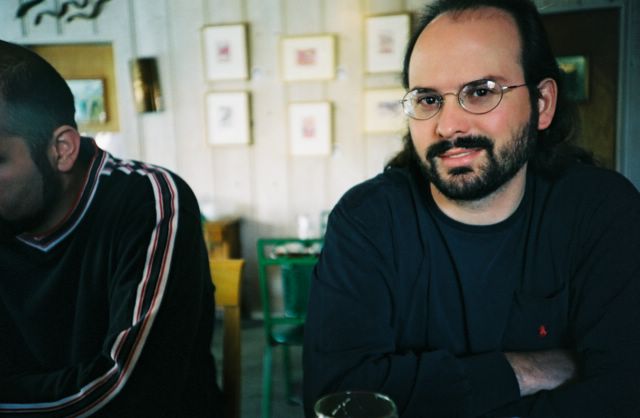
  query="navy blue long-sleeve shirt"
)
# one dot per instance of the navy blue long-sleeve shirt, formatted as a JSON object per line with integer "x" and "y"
{"x": 411, "y": 303}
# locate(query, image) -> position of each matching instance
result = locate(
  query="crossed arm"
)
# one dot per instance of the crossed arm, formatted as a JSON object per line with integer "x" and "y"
{"x": 542, "y": 370}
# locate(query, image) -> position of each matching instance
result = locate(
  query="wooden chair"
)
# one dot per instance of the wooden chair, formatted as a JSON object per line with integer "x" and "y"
{"x": 226, "y": 276}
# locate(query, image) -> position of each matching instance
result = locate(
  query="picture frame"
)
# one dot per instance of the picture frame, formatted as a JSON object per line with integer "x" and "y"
{"x": 383, "y": 110}
{"x": 89, "y": 100}
{"x": 310, "y": 126}
{"x": 310, "y": 57}
{"x": 97, "y": 63}
{"x": 225, "y": 52}
{"x": 386, "y": 39}
{"x": 575, "y": 76}
{"x": 227, "y": 118}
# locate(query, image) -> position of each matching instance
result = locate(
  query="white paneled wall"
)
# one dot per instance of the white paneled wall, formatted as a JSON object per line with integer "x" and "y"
{"x": 261, "y": 182}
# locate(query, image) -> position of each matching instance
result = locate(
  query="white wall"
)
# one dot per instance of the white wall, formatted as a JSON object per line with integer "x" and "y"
{"x": 262, "y": 182}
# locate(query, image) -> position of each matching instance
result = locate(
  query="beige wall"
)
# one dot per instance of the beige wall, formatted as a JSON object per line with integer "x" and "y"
{"x": 262, "y": 182}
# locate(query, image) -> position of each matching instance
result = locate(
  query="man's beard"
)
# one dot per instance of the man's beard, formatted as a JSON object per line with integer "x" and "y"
{"x": 466, "y": 185}
{"x": 51, "y": 190}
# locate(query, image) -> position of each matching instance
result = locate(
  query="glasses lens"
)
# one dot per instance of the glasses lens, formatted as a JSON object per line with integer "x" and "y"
{"x": 480, "y": 96}
{"x": 421, "y": 104}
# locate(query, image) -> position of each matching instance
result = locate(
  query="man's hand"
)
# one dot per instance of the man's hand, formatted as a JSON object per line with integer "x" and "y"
{"x": 542, "y": 370}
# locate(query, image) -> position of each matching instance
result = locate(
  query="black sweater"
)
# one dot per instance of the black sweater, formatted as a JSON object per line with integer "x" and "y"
{"x": 411, "y": 303}
{"x": 111, "y": 313}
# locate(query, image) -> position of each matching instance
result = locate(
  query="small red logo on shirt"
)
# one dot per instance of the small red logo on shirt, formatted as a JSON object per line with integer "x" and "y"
{"x": 542, "y": 331}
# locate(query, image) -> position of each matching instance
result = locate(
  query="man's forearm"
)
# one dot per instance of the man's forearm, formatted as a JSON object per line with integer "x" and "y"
{"x": 542, "y": 370}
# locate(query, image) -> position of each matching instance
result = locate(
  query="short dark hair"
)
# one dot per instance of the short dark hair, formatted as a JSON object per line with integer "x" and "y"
{"x": 555, "y": 147}
{"x": 34, "y": 98}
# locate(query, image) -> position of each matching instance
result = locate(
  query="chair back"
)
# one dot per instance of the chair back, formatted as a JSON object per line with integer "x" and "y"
{"x": 296, "y": 279}
{"x": 295, "y": 258}
{"x": 227, "y": 278}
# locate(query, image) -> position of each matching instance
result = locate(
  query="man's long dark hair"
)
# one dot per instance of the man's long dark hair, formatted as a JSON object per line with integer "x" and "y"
{"x": 34, "y": 99}
{"x": 555, "y": 148}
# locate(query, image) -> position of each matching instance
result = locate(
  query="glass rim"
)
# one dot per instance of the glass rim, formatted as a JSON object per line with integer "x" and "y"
{"x": 378, "y": 395}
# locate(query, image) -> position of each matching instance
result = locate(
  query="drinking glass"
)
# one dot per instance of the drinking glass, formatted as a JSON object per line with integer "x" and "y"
{"x": 355, "y": 404}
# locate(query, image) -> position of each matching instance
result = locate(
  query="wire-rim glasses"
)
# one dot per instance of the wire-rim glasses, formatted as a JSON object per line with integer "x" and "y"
{"x": 477, "y": 97}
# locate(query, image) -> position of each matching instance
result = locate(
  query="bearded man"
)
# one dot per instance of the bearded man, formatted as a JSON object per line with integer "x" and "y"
{"x": 491, "y": 270}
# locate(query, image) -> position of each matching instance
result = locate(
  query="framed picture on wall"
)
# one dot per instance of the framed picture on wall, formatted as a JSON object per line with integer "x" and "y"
{"x": 227, "y": 118}
{"x": 91, "y": 70}
{"x": 386, "y": 38}
{"x": 89, "y": 100}
{"x": 383, "y": 110}
{"x": 308, "y": 57}
{"x": 310, "y": 128}
{"x": 575, "y": 76}
{"x": 225, "y": 52}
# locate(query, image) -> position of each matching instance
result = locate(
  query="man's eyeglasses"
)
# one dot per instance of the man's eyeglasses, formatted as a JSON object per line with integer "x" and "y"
{"x": 477, "y": 97}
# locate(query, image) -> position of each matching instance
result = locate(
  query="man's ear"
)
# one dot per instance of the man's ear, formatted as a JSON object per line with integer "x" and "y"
{"x": 547, "y": 99}
{"x": 66, "y": 148}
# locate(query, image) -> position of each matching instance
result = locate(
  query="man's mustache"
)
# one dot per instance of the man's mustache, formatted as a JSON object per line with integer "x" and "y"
{"x": 475, "y": 142}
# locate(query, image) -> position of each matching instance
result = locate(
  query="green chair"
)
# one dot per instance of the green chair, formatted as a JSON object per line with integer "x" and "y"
{"x": 292, "y": 261}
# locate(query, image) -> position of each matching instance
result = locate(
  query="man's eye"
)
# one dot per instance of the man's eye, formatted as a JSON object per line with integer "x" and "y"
{"x": 480, "y": 92}
{"x": 428, "y": 100}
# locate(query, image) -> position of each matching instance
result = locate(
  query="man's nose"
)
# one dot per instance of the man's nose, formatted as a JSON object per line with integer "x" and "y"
{"x": 452, "y": 120}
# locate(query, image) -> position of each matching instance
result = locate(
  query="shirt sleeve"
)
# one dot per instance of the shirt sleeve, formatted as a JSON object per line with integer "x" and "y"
{"x": 352, "y": 327}
{"x": 160, "y": 319}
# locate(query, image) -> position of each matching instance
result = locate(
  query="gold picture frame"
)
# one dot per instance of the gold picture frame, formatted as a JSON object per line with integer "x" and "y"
{"x": 225, "y": 52}
{"x": 386, "y": 38}
{"x": 383, "y": 110}
{"x": 310, "y": 128}
{"x": 228, "y": 118}
{"x": 310, "y": 57}
{"x": 97, "y": 64}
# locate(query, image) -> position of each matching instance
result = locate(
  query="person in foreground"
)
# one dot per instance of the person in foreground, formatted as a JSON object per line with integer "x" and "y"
{"x": 491, "y": 270}
{"x": 106, "y": 303}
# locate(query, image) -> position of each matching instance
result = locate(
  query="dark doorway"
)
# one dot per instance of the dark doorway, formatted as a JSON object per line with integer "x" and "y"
{"x": 593, "y": 34}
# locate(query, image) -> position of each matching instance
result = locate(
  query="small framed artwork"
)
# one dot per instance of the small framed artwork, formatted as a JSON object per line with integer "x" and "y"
{"x": 228, "y": 118}
{"x": 386, "y": 40}
{"x": 383, "y": 110}
{"x": 88, "y": 97}
{"x": 575, "y": 76}
{"x": 225, "y": 52}
{"x": 308, "y": 57}
{"x": 310, "y": 128}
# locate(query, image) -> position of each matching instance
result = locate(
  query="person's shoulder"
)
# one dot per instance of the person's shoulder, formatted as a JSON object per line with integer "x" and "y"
{"x": 393, "y": 183}
{"x": 136, "y": 169}
{"x": 146, "y": 181}
{"x": 377, "y": 208}
{"x": 590, "y": 178}
{"x": 582, "y": 183}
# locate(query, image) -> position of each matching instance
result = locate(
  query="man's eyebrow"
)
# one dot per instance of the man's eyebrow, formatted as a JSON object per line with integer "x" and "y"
{"x": 492, "y": 77}
{"x": 423, "y": 89}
